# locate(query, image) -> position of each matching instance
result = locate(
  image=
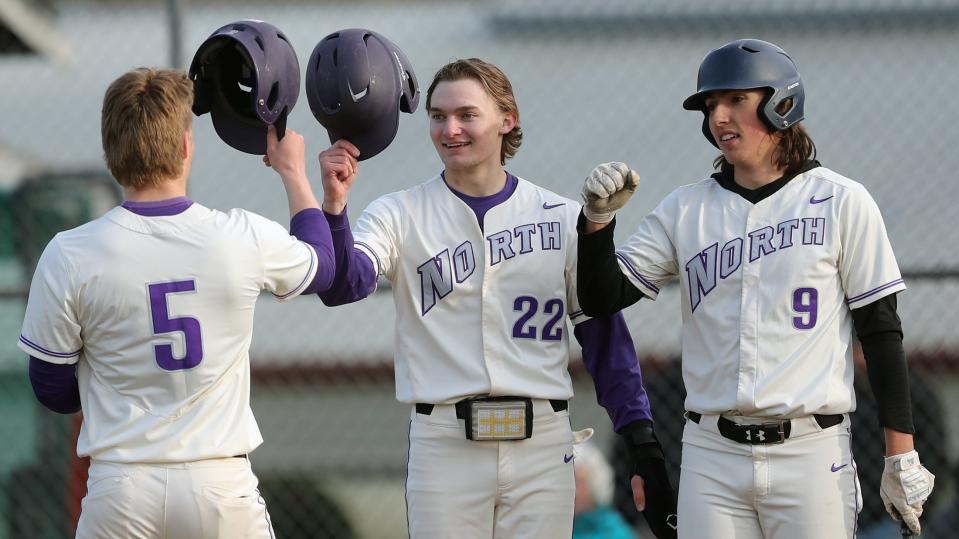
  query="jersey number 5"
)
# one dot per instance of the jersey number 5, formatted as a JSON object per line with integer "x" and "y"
{"x": 162, "y": 323}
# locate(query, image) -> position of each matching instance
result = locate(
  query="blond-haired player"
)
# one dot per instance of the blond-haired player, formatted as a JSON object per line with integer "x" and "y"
{"x": 143, "y": 319}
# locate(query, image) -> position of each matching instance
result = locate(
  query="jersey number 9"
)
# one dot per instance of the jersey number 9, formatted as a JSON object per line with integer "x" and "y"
{"x": 806, "y": 303}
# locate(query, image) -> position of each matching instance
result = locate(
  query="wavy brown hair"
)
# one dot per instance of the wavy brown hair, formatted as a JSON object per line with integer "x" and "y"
{"x": 145, "y": 113}
{"x": 497, "y": 86}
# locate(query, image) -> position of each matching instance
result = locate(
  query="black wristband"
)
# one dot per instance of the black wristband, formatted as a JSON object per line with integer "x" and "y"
{"x": 641, "y": 441}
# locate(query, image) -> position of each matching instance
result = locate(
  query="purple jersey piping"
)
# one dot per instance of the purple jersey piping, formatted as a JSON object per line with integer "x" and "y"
{"x": 379, "y": 265}
{"x": 874, "y": 291}
{"x": 636, "y": 273}
{"x": 41, "y": 349}
{"x": 306, "y": 278}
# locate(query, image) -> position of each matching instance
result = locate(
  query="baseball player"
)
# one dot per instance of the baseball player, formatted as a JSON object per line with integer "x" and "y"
{"x": 482, "y": 265}
{"x": 142, "y": 319}
{"x": 779, "y": 259}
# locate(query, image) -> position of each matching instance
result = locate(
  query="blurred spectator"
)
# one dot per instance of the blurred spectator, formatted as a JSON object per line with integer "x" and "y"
{"x": 595, "y": 517}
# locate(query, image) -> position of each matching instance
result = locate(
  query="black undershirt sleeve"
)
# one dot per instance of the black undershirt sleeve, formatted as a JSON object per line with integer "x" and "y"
{"x": 880, "y": 331}
{"x": 602, "y": 288}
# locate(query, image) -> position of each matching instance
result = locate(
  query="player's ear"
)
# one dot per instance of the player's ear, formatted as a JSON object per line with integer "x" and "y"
{"x": 509, "y": 122}
{"x": 186, "y": 144}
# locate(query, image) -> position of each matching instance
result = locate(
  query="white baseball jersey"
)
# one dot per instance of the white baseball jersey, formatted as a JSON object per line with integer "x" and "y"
{"x": 482, "y": 311}
{"x": 158, "y": 311}
{"x": 767, "y": 289}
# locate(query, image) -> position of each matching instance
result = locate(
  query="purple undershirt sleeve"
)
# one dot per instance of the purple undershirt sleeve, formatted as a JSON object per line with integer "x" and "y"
{"x": 610, "y": 359}
{"x": 55, "y": 386}
{"x": 355, "y": 277}
{"x": 310, "y": 226}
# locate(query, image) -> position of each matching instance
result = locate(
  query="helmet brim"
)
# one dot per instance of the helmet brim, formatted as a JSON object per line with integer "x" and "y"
{"x": 245, "y": 134}
{"x": 696, "y": 101}
{"x": 372, "y": 141}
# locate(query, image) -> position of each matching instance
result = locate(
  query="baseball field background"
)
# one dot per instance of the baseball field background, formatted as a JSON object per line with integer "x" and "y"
{"x": 595, "y": 81}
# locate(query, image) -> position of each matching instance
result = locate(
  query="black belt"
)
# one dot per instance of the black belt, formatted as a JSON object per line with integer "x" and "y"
{"x": 765, "y": 433}
{"x": 463, "y": 406}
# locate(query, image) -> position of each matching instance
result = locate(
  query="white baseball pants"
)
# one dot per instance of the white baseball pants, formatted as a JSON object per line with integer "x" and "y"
{"x": 804, "y": 488}
{"x": 208, "y": 499}
{"x": 481, "y": 490}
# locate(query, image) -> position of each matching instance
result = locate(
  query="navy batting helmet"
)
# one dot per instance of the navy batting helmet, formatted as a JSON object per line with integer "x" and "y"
{"x": 357, "y": 82}
{"x": 246, "y": 76}
{"x": 745, "y": 64}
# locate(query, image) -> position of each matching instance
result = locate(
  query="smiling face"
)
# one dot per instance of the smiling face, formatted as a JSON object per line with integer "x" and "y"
{"x": 466, "y": 126}
{"x": 734, "y": 123}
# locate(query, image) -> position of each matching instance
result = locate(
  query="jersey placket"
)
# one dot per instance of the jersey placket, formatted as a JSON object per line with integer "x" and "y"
{"x": 491, "y": 306}
{"x": 749, "y": 317}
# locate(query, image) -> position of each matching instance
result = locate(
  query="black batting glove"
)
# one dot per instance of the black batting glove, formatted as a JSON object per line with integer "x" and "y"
{"x": 648, "y": 462}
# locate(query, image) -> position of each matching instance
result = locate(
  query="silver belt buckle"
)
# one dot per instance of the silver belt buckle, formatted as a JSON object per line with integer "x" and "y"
{"x": 499, "y": 420}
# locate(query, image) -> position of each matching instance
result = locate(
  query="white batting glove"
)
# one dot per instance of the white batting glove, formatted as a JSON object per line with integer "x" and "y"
{"x": 607, "y": 189}
{"x": 906, "y": 484}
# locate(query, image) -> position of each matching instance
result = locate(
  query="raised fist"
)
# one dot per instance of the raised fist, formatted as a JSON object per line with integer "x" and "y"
{"x": 607, "y": 189}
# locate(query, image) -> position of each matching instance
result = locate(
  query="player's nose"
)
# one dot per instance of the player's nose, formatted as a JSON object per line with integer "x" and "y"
{"x": 451, "y": 127}
{"x": 719, "y": 114}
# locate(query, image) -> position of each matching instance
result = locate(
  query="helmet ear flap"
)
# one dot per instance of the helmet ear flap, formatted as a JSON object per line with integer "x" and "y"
{"x": 201, "y": 96}
{"x": 765, "y": 108}
{"x": 406, "y": 104}
{"x": 280, "y": 124}
{"x": 706, "y": 132}
{"x": 410, "y": 98}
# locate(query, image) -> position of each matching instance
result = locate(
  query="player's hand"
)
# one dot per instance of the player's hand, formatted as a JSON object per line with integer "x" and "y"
{"x": 339, "y": 168}
{"x": 654, "y": 497}
{"x": 607, "y": 189}
{"x": 286, "y": 156}
{"x": 906, "y": 484}
{"x": 652, "y": 492}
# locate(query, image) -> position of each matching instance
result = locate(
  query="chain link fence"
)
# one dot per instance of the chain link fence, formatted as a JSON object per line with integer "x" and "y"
{"x": 596, "y": 81}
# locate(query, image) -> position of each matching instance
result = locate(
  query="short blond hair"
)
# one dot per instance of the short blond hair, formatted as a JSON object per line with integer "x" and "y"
{"x": 496, "y": 84}
{"x": 145, "y": 113}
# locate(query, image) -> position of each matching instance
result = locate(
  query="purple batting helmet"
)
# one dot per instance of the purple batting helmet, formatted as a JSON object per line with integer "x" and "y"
{"x": 247, "y": 77}
{"x": 357, "y": 82}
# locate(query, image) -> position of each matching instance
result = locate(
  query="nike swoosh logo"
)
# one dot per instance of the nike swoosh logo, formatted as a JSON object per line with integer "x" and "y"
{"x": 357, "y": 96}
{"x": 837, "y": 468}
{"x": 812, "y": 199}
{"x": 568, "y": 458}
{"x": 548, "y": 206}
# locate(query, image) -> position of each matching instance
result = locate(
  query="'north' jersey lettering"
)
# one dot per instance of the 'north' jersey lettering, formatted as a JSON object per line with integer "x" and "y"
{"x": 437, "y": 274}
{"x": 702, "y": 269}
